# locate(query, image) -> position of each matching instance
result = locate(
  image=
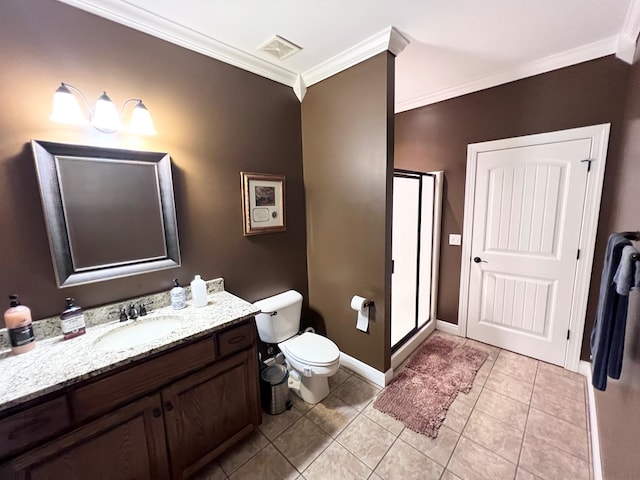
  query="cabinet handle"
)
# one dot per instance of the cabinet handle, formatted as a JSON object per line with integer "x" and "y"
{"x": 168, "y": 406}
{"x": 157, "y": 412}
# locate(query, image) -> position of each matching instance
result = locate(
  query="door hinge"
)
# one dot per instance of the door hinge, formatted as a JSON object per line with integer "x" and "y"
{"x": 588, "y": 160}
{"x": 568, "y": 334}
{"x": 393, "y": 265}
{"x": 578, "y": 256}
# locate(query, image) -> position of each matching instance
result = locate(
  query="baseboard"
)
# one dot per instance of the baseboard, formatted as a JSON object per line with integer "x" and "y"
{"x": 447, "y": 327}
{"x": 366, "y": 371}
{"x": 585, "y": 369}
{"x": 408, "y": 348}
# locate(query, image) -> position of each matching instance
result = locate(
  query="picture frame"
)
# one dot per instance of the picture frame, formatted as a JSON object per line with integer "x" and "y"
{"x": 263, "y": 203}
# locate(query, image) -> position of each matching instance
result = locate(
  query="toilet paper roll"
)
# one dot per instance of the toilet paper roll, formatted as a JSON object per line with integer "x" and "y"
{"x": 361, "y": 305}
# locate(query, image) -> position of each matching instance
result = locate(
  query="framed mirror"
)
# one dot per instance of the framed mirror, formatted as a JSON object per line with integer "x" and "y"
{"x": 109, "y": 213}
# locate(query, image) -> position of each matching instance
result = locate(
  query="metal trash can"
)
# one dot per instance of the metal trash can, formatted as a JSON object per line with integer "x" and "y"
{"x": 274, "y": 381}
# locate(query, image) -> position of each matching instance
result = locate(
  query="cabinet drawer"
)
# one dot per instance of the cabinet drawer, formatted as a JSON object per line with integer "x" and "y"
{"x": 33, "y": 425}
{"x": 116, "y": 389}
{"x": 235, "y": 339}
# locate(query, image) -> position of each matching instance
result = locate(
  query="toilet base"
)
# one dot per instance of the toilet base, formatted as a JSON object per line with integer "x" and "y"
{"x": 313, "y": 389}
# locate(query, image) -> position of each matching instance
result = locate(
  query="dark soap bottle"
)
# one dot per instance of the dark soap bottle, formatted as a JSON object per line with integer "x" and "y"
{"x": 72, "y": 320}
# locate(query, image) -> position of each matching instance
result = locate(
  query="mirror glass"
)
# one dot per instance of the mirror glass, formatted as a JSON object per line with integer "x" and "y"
{"x": 109, "y": 213}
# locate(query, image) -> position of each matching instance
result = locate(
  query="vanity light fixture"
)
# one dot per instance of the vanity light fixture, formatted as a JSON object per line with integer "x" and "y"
{"x": 104, "y": 116}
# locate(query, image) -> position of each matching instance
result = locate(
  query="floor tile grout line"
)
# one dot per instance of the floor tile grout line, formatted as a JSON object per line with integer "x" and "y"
{"x": 474, "y": 406}
{"x": 287, "y": 459}
{"x": 542, "y": 439}
{"x": 497, "y": 419}
{"x": 333, "y": 439}
{"x": 526, "y": 422}
{"x": 586, "y": 413}
{"x": 559, "y": 448}
{"x": 385, "y": 453}
{"x": 559, "y": 418}
{"x": 583, "y": 425}
{"x": 373, "y": 470}
{"x": 247, "y": 460}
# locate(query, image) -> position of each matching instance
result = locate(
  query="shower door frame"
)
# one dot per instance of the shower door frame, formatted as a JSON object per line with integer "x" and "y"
{"x": 438, "y": 178}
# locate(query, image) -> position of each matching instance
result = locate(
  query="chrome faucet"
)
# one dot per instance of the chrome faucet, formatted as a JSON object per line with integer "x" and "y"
{"x": 133, "y": 312}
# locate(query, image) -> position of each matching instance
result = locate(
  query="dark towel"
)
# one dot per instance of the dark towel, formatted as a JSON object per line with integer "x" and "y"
{"x": 625, "y": 281}
{"x": 628, "y": 275}
{"x": 611, "y": 318}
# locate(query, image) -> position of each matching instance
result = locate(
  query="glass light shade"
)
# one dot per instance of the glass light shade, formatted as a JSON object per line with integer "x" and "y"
{"x": 66, "y": 108}
{"x": 105, "y": 115}
{"x": 141, "y": 122}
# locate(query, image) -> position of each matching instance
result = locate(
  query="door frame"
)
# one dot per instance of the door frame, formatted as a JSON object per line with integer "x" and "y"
{"x": 599, "y": 134}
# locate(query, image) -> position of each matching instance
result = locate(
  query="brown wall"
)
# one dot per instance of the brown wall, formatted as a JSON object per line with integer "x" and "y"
{"x": 347, "y": 127}
{"x": 618, "y": 408}
{"x": 214, "y": 119}
{"x": 435, "y": 137}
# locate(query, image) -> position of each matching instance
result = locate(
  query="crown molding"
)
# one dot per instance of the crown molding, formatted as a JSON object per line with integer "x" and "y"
{"x": 626, "y": 48}
{"x": 567, "y": 58}
{"x": 300, "y": 89}
{"x": 388, "y": 39}
{"x": 124, "y": 13}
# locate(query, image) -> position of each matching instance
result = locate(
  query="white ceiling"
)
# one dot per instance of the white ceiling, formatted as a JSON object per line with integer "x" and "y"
{"x": 456, "y": 46}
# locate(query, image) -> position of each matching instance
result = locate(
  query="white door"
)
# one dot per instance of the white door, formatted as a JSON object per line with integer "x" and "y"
{"x": 527, "y": 218}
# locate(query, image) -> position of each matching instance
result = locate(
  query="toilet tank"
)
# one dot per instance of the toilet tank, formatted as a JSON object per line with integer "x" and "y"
{"x": 281, "y": 319}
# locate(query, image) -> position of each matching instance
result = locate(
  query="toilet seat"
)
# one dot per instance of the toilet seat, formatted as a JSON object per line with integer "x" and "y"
{"x": 311, "y": 349}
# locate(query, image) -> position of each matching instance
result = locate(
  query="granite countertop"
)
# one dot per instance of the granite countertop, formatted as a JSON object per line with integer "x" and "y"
{"x": 56, "y": 363}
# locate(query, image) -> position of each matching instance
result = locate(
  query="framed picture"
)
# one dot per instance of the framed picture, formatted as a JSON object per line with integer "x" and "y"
{"x": 263, "y": 203}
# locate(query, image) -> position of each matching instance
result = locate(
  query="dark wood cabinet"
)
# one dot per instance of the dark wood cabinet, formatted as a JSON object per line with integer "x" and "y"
{"x": 159, "y": 419}
{"x": 208, "y": 411}
{"x": 126, "y": 444}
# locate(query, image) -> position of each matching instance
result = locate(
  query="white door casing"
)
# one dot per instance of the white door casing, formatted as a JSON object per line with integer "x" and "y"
{"x": 526, "y": 216}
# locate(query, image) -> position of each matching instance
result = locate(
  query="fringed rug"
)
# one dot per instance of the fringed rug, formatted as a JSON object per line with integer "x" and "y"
{"x": 421, "y": 393}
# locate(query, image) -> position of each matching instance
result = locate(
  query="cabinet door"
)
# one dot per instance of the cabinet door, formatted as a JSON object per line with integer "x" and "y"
{"x": 210, "y": 410}
{"x": 126, "y": 444}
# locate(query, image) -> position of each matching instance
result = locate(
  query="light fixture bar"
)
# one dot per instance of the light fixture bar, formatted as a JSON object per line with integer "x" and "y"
{"x": 104, "y": 116}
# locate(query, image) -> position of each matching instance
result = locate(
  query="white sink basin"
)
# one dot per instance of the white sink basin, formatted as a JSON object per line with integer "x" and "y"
{"x": 137, "y": 333}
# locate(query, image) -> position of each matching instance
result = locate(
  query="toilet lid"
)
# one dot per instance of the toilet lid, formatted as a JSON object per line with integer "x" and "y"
{"x": 311, "y": 349}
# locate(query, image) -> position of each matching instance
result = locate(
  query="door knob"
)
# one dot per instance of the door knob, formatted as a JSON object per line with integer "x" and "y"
{"x": 168, "y": 406}
{"x": 479, "y": 260}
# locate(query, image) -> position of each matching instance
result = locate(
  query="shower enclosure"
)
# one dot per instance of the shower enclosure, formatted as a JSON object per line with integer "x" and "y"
{"x": 417, "y": 198}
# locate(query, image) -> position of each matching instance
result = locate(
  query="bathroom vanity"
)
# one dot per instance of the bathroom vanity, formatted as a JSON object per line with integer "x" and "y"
{"x": 160, "y": 415}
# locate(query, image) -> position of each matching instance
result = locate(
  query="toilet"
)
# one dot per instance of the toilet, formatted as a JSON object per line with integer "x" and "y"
{"x": 311, "y": 358}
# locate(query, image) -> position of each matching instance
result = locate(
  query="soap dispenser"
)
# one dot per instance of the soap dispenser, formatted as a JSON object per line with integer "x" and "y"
{"x": 72, "y": 320}
{"x": 17, "y": 319}
{"x": 178, "y": 297}
{"x": 198, "y": 292}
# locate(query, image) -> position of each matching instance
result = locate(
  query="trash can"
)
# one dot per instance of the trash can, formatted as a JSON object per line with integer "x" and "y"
{"x": 274, "y": 382}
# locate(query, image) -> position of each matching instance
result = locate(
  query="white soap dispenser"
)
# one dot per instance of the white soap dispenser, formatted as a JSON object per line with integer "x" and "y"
{"x": 198, "y": 292}
{"x": 178, "y": 297}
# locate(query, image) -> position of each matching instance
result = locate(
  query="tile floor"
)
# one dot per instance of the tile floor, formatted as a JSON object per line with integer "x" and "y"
{"x": 522, "y": 420}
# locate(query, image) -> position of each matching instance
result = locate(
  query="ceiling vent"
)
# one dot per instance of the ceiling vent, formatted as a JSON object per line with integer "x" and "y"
{"x": 279, "y": 48}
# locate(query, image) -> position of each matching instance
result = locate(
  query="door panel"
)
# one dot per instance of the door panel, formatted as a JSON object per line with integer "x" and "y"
{"x": 528, "y": 209}
{"x": 127, "y": 444}
{"x": 210, "y": 410}
{"x": 404, "y": 284}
